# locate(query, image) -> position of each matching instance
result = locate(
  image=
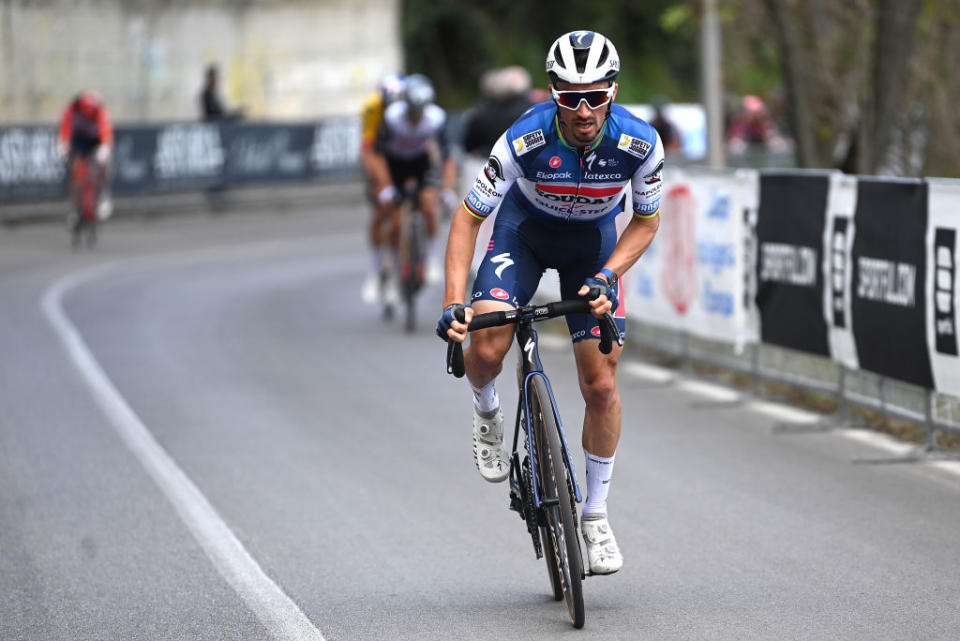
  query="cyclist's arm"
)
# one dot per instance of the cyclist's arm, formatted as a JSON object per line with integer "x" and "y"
{"x": 66, "y": 125}
{"x": 464, "y": 227}
{"x": 647, "y": 185}
{"x": 105, "y": 127}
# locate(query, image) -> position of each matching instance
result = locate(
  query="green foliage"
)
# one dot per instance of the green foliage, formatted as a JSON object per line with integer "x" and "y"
{"x": 455, "y": 41}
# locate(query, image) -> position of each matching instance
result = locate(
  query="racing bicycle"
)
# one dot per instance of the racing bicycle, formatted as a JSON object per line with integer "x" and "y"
{"x": 412, "y": 257}
{"x": 85, "y": 194}
{"x": 543, "y": 485}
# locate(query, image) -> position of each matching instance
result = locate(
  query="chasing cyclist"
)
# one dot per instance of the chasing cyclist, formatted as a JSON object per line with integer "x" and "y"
{"x": 560, "y": 174}
{"x": 414, "y": 145}
{"x": 86, "y": 136}
{"x": 378, "y": 176}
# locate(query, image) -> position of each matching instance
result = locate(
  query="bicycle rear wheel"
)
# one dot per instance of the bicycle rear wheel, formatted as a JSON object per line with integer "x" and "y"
{"x": 561, "y": 521}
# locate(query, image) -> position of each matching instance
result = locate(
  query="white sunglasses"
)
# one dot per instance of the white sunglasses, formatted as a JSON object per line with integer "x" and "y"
{"x": 595, "y": 98}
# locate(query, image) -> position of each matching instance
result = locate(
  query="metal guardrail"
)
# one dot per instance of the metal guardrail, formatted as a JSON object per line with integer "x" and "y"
{"x": 932, "y": 412}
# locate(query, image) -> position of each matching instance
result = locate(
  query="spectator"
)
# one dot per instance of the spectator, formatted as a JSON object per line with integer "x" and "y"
{"x": 210, "y": 105}
{"x": 752, "y": 127}
{"x": 503, "y": 97}
{"x": 669, "y": 132}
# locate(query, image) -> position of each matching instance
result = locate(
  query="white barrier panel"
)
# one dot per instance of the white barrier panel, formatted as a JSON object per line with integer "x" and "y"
{"x": 693, "y": 276}
{"x": 943, "y": 228}
{"x": 838, "y": 235}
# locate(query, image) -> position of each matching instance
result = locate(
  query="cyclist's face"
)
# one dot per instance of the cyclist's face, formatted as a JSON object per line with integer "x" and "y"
{"x": 581, "y": 127}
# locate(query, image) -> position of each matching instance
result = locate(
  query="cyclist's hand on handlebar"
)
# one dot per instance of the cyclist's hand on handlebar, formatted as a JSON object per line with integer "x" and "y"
{"x": 603, "y": 298}
{"x": 453, "y": 322}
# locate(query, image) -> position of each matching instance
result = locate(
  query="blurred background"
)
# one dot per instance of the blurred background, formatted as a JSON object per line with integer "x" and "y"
{"x": 865, "y": 85}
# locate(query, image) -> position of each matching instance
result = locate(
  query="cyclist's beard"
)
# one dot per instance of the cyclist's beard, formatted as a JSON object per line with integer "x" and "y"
{"x": 582, "y": 137}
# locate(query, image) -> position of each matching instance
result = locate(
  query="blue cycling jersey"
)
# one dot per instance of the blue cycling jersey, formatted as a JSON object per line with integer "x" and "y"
{"x": 548, "y": 179}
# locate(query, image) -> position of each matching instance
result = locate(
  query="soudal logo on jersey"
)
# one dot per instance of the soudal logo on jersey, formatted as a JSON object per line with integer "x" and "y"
{"x": 499, "y": 294}
{"x": 584, "y": 195}
{"x": 528, "y": 142}
{"x": 634, "y": 146}
{"x": 555, "y": 162}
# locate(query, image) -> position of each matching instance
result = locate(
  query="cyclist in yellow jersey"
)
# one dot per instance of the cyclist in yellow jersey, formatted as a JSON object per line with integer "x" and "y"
{"x": 378, "y": 177}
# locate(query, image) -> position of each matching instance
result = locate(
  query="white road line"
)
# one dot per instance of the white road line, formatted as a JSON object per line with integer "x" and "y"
{"x": 716, "y": 392}
{"x": 784, "y": 412}
{"x": 282, "y": 617}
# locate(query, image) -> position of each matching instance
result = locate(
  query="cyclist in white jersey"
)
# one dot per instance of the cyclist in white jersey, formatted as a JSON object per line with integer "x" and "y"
{"x": 413, "y": 141}
{"x": 560, "y": 175}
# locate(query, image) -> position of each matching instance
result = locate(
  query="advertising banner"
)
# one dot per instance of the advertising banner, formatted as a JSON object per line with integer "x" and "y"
{"x": 789, "y": 275}
{"x": 941, "y": 283}
{"x": 187, "y": 156}
{"x": 692, "y": 276}
{"x": 889, "y": 310}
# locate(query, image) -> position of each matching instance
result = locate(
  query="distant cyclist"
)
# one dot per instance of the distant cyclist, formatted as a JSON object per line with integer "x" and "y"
{"x": 560, "y": 174}
{"x": 86, "y": 135}
{"x": 378, "y": 177}
{"x": 414, "y": 145}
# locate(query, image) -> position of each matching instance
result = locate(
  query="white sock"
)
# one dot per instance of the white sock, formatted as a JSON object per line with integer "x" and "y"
{"x": 485, "y": 398}
{"x": 599, "y": 472}
{"x": 377, "y": 256}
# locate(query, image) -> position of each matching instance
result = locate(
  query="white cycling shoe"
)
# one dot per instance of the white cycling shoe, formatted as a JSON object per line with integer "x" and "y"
{"x": 602, "y": 551}
{"x": 488, "y": 451}
{"x": 370, "y": 291}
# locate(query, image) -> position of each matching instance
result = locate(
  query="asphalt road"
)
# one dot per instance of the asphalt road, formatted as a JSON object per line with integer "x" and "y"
{"x": 205, "y": 435}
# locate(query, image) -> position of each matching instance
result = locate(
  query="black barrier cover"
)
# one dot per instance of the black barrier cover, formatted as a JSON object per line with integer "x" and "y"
{"x": 29, "y": 168}
{"x": 187, "y": 156}
{"x": 267, "y": 152}
{"x": 889, "y": 276}
{"x": 790, "y": 224}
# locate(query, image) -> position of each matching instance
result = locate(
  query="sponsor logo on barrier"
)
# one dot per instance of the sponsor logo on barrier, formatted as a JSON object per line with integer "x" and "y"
{"x": 838, "y": 271}
{"x": 887, "y": 282}
{"x": 790, "y": 264}
{"x": 336, "y": 144}
{"x": 679, "y": 271}
{"x": 188, "y": 151}
{"x": 29, "y": 155}
{"x": 944, "y": 290}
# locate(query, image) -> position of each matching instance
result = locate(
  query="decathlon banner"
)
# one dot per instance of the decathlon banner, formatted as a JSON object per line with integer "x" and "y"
{"x": 791, "y": 221}
{"x": 941, "y": 288}
{"x": 692, "y": 276}
{"x": 889, "y": 304}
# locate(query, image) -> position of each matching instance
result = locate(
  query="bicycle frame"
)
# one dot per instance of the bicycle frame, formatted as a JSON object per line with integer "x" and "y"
{"x": 531, "y": 367}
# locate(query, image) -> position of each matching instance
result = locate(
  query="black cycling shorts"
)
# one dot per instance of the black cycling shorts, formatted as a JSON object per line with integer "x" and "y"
{"x": 418, "y": 168}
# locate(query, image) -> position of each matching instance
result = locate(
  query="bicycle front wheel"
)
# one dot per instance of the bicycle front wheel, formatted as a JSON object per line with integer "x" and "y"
{"x": 557, "y": 503}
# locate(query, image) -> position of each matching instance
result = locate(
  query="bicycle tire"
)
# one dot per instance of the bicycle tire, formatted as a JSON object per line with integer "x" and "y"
{"x": 561, "y": 520}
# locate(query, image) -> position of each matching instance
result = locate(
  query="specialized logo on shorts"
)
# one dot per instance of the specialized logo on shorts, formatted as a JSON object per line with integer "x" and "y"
{"x": 634, "y": 146}
{"x": 500, "y": 294}
{"x": 555, "y": 162}
{"x": 502, "y": 261}
{"x": 529, "y": 141}
{"x": 493, "y": 170}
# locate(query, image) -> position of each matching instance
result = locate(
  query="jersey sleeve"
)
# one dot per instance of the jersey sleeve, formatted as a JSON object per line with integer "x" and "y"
{"x": 647, "y": 183}
{"x": 371, "y": 118}
{"x": 494, "y": 180}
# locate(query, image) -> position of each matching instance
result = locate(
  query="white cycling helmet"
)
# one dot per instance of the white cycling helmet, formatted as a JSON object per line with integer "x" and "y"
{"x": 418, "y": 92}
{"x": 582, "y": 58}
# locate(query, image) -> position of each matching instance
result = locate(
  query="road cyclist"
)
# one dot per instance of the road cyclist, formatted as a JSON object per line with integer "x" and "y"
{"x": 413, "y": 144}
{"x": 560, "y": 175}
{"x": 85, "y": 143}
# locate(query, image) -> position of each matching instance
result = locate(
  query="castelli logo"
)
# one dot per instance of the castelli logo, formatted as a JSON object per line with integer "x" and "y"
{"x": 555, "y": 162}
{"x": 596, "y": 331}
{"x": 499, "y": 293}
